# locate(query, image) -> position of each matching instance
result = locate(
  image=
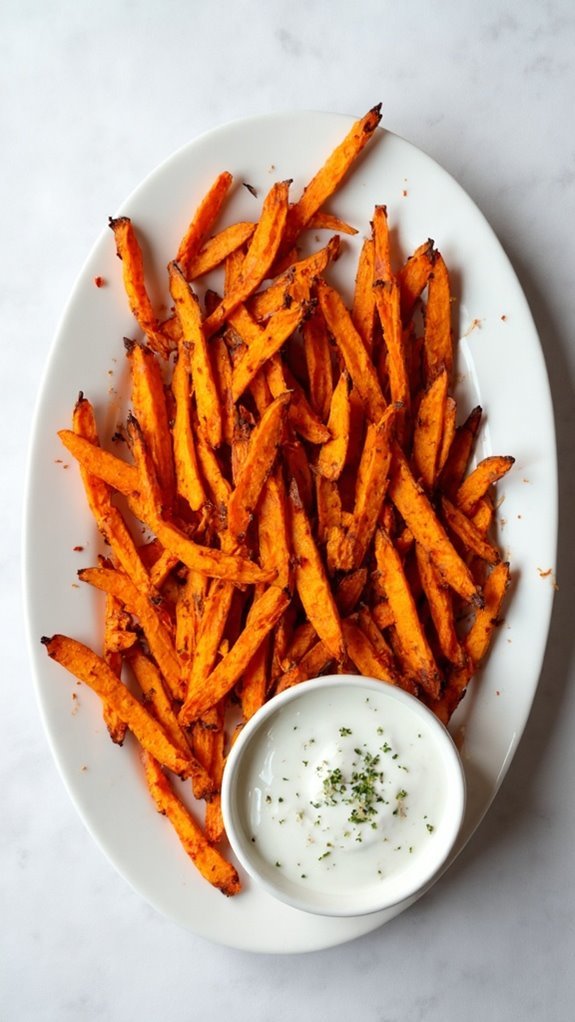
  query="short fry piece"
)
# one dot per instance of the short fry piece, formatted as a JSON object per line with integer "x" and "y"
{"x": 440, "y": 602}
{"x": 453, "y": 472}
{"x": 468, "y": 533}
{"x": 428, "y": 432}
{"x": 413, "y": 277}
{"x": 100, "y": 463}
{"x": 477, "y": 484}
{"x": 262, "y": 344}
{"x": 261, "y": 455}
{"x": 333, "y": 453}
{"x": 216, "y": 250}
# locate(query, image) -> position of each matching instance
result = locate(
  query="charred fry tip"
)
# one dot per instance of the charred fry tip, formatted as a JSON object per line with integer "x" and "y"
{"x": 129, "y": 344}
{"x": 376, "y": 109}
{"x": 80, "y": 398}
{"x": 46, "y": 640}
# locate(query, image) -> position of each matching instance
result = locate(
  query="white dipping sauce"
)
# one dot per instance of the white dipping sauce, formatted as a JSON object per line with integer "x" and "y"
{"x": 343, "y": 792}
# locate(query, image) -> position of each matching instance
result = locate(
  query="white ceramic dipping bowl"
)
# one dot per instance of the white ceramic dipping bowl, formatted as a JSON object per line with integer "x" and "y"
{"x": 343, "y": 796}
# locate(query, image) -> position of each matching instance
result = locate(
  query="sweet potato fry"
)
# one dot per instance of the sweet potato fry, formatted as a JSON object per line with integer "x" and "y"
{"x": 202, "y": 222}
{"x": 438, "y": 340}
{"x": 327, "y": 179}
{"x": 449, "y": 420}
{"x": 413, "y": 505}
{"x": 216, "y": 610}
{"x": 210, "y": 561}
{"x": 155, "y": 695}
{"x": 428, "y": 432}
{"x": 150, "y": 409}
{"x": 129, "y": 252}
{"x": 349, "y": 590}
{"x": 328, "y": 222}
{"x": 382, "y": 259}
{"x": 371, "y": 487}
{"x": 333, "y": 453}
{"x": 273, "y": 530}
{"x": 477, "y": 641}
{"x": 440, "y": 603}
{"x": 472, "y": 537}
{"x": 300, "y": 413}
{"x": 382, "y": 614}
{"x": 216, "y": 250}
{"x": 477, "y": 484}
{"x": 157, "y": 636}
{"x": 364, "y": 655}
{"x": 209, "y": 861}
{"x": 318, "y": 363}
{"x": 311, "y": 580}
{"x": 101, "y": 464}
{"x": 328, "y": 507}
{"x": 262, "y": 343}
{"x": 413, "y": 278}
{"x": 218, "y": 485}
{"x": 355, "y": 356}
{"x": 260, "y": 458}
{"x": 395, "y": 364}
{"x": 295, "y": 283}
{"x": 453, "y": 472}
{"x": 363, "y": 312}
{"x": 189, "y": 482}
{"x": 189, "y": 611}
{"x": 253, "y": 688}
{"x": 205, "y": 389}
{"x": 264, "y": 246}
{"x": 370, "y": 626}
{"x": 117, "y": 638}
{"x": 266, "y": 613}
{"x": 85, "y": 665}
{"x": 311, "y": 665}
{"x": 407, "y": 623}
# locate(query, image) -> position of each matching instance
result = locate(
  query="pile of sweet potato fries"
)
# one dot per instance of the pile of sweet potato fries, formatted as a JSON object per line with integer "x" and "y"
{"x": 305, "y": 485}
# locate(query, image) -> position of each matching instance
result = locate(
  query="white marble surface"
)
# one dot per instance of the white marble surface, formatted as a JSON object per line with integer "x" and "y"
{"x": 93, "y": 97}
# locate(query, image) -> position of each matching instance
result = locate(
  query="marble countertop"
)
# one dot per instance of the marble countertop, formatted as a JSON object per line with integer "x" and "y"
{"x": 95, "y": 95}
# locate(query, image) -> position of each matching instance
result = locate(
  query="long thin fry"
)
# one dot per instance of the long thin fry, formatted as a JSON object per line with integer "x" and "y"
{"x": 202, "y": 222}
{"x": 128, "y": 250}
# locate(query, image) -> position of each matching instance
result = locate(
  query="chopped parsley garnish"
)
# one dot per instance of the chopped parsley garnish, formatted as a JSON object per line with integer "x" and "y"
{"x": 344, "y": 731}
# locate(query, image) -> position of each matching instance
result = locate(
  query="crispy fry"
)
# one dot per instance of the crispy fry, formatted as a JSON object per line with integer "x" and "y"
{"x": 453, "y": 472}
{"x": 363, "y": 312}
{"x": 300, "y": 413}
{"x": 216, "y": 610}
{"x": 295, "y": 283}
{"x": 273, "y": 530}
{"x": 188, "y": 477}
{"x": 371, "y": 487}
{"x": 91, "y": 669}
{"x": 472, "y": 537}
{"x": 395, "y": 365}
{"x": 438, "y": 341}
{"x": 440, "y": 602}
{"x": 262, "y": 343}
{"x": 477, "y": 640}
{"x": 449, "y": 420}
{"x": 129, "y": 252}
{"x": 100, "y": 463}
{"x": 318, "y": 362}
{"x": 328, "y": 506}
{"x": 189, "y": 611}
{"x": 489, "y": 471}
{"x": 413, "y": 277}
{"x": 157, "y": 635}
{"x": 382, "y": 259}
{"x": 115, "y": 630}
{"x": 364, "y": 655}
{"x": 205, "y": 389}
{"x": 352, "y": 348}
{"x": 333, "y": 453}
{"x": 311, "y": 665}
{"x": 264, "y": 246}
{"x": 211, "y": 864}
{"x": 407, "y": 623}
{"x": 349, "y": 590}
{"x": 428, "y": 432}
{"x": 311, "y": 580}
{"x": 260, "y": 458}
{"x": 216, "y": 250}
{"x": 150, "y": 409}
{"x": 267, "y": 612}
{"x": 202, "y": 222}
{"x": 413, "y": 505}
{"x": 327, "y": 222}
{"x": 327, "y": 179}
{"x": 155, "y": 695}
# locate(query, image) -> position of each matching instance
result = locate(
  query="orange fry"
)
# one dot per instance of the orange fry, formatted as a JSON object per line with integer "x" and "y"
{"x": 327, "y": 179}
{"x": 428, "y": 432}
{"x": 413, "y": 278}
{"x": 440, "y": 603}
{"x": 328, "y": 222}
{"x": 300, "y": 413}
{"x": 209, "y": 861}
{"x": 149, "y": 408}
{"x": 264, "y": 245}
{"x": 453, "y": 472}
{"x": 217, "y": 249}
{"x": 258, "y": 463}
{"x": 129, "y": 252}
{"x": 202, "y": 222}
{"x": 85, "y": 665}
{"x": 477, "y": 484}
{"x": 262, "y": 343}
{"x": 318, "y": 361}
{"x": 294, "y": 284}
{"x": 188, "y": 477}
{"x": 438, "y": 340}
{"x": 100, "y": 463}
{"x": 333, "y": 453}
{"x": 205, "y": 389}
{"x": 363, "y": 312}
{"x": 311, "y": 580}
{"x": 349, "y": 342}
{"x": 472, "y": 537}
